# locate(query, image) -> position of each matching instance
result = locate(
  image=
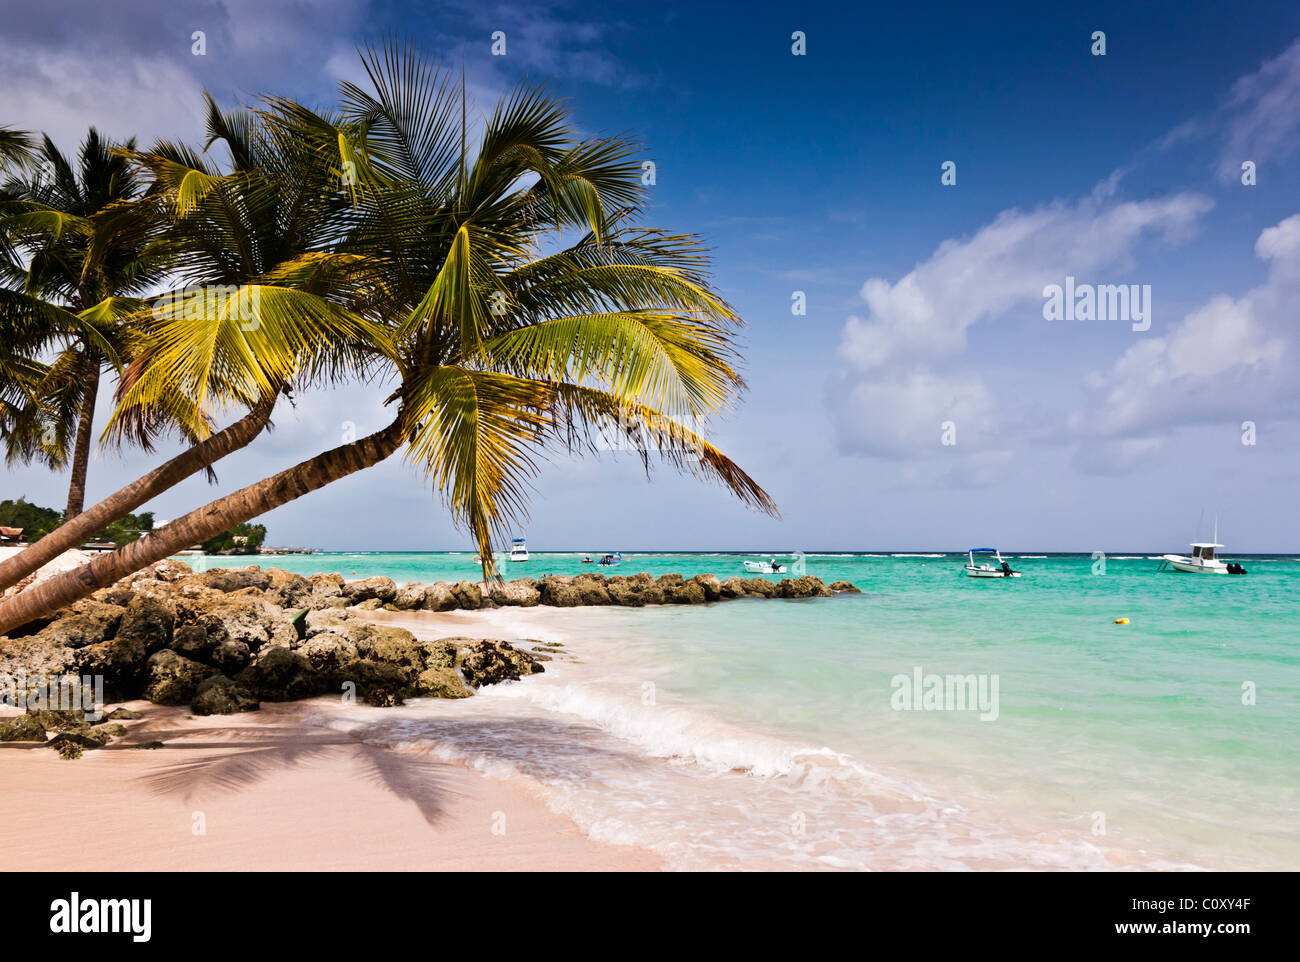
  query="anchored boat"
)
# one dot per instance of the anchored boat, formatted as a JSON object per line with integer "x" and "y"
{"x": 611, "y": 560}
{"x": 1203, "y": 560}
{"x": 1001, "y": 570}
{"x": 772, "y": 567}
{"x": 518, "y": 550}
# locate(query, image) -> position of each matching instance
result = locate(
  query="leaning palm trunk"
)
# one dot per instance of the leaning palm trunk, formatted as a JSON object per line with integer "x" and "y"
{"x": 127, "y": 499}
{"x": 201, "y": 524}
{"x": 81, "y": 453}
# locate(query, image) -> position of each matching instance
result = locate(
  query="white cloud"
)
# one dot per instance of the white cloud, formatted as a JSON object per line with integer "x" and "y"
{"x": 136, "y": 75}
{"x": 1006, "y": 264}
{"x": 64, "y": 93}
{"x": 903, "y": 415}
{"x": 895, "y": 391}
{"x": 1263, "y": 115}
{"x": 1230, "y": 359}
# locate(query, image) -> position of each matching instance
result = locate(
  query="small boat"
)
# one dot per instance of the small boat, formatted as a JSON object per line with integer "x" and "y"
{"x": 764, "y": 568}
{"x": 610, "y": 560}
{"x": 518, "y": 550}
{"x": 586, "y": 559}
{"x": 1202, "y": 560}
{"x": 1002, "y": 570}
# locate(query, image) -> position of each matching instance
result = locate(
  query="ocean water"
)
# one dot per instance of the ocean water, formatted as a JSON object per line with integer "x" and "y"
{"x": 777, "y": 734}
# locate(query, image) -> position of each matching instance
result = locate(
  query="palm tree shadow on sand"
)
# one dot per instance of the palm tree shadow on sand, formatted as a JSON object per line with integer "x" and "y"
{"x": 255, "y": 754}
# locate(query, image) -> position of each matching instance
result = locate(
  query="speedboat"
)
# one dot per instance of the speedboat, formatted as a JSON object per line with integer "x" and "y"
{"x": 1202, "y": 560}
{"x": 586, "y": 559}
{"x": 611, "y": 560}
{"x": 1001, "y": 570}
{"x": 518, "y": 550}
{"x": 764, "y": 568}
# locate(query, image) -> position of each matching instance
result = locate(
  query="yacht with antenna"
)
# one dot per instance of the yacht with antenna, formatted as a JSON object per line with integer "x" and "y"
{"x": 1203, "y": 560}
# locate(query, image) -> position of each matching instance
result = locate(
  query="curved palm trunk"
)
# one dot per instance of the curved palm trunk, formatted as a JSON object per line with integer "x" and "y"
{"x": 127, "y": 499}
{"x": 81, "y": 453}
{"x": 212, "y": 519}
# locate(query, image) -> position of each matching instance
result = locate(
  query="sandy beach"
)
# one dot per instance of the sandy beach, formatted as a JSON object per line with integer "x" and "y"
{"x": 265, "y": 792}
{"x": 678, "y": 737}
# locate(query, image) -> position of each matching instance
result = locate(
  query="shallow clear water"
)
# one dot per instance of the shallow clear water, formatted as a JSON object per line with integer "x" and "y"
{"x": 767, "y": 733}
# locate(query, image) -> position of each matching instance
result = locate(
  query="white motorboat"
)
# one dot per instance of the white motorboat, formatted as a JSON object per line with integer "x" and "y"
{"x": 518, "y": 550}
{"x": 1203, "y": 560}
{"x": 765, "y": 567}
{"x": 611, "y": 560}
{"x": 1001, "y": 570}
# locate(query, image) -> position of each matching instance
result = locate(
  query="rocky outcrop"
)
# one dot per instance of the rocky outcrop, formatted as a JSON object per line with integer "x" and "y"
{"x": 172, "y": 679}
{"x": 515, "y": 594}
{"x": 370, "y": 589}
{"x": 441, "y": 683}
{"x": 409, "y": 598}
{"x": 467, "y": 595}
{"x": 235, "y": 579}
{"x": 24, "y": 728}
{"x": 88, "y": 621}
{"x": 74, "y": 732}
{"x": 803, "y": 587}
{"x": 220, "y": 695}
{"x": 148, "y": 620}
{"x": 560, "y": 593}
{"x": 635, "y": 591}
{"x": 491, "y": 662}
{"x": 225, "y": 640}
{"x": 120, "y": 661}
{"x": 279, "y": 674}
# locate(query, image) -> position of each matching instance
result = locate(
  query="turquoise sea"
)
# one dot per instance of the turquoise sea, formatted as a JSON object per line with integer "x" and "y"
{"x": 780, "y": 734}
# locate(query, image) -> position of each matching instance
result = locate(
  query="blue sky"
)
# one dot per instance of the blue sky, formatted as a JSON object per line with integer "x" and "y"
{"x": 821, "y": 174}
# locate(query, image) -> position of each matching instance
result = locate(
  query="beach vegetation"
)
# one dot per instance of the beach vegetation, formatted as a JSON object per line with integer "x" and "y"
{"x": 498, "y": 288}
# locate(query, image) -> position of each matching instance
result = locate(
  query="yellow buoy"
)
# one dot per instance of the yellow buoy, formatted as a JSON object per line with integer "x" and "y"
{"x": 1121, "y": 621}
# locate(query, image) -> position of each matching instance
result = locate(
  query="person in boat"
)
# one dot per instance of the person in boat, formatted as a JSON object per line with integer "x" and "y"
{"x": 775, "y": 565}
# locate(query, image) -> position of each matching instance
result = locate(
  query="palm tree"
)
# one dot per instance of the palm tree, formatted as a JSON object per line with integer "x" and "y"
{"x": 15, "y": 146}
{"x": 497, "y": 353}
{"x": 25, "y": 321}
{"x": 74, "y": 241}
{"x": 257, "y": 234}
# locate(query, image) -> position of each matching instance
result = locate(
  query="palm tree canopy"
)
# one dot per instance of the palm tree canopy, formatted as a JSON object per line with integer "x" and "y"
{"x": 505, "y": 290}
{"x": 74, "y": 251}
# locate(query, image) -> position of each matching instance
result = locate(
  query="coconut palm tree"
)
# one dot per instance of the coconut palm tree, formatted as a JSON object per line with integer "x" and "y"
{"x": 23, "y": 322}
{"x": 496, "y": 352}
{"x": 252, "y": 237}
{"x": 74, "y": 241}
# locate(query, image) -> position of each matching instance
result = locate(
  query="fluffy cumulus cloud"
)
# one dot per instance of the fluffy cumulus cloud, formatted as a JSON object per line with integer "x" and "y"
{"x": 899, "y": 383}
{"x": 1006, "y": 264}
{"x": 1231, "y": 358}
